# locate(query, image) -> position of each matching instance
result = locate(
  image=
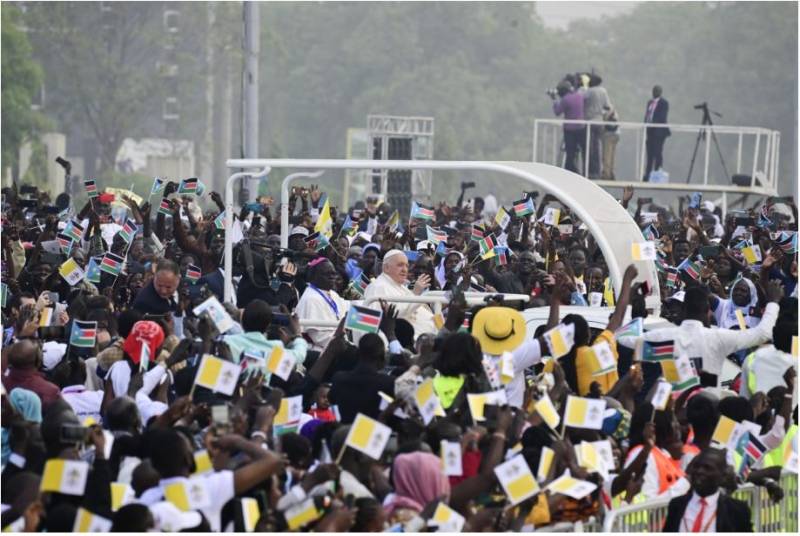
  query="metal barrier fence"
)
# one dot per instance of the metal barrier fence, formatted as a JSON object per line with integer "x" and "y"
{"x": 766, "y": 515}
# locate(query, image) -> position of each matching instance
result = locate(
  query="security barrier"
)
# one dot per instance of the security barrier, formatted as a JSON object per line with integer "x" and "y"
{"x": 766, "y": 515}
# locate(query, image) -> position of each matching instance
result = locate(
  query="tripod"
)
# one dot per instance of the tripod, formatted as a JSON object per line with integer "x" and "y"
{"x": 702, "y": 136}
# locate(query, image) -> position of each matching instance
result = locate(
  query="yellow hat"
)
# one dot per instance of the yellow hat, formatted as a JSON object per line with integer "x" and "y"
{"x": 499, "y": 329}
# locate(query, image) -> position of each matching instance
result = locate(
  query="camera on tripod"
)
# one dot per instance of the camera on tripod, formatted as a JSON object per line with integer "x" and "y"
{"x": 701, "y": 106}
{"x": 467, "y": 185}
{"x": 551, "y": 92}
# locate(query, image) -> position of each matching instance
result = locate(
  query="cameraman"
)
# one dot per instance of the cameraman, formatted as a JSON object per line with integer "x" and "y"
{"x": 570, "y": 104}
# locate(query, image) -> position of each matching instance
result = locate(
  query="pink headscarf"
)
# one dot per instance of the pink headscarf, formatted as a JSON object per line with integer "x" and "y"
{"x": 418, "y": 480}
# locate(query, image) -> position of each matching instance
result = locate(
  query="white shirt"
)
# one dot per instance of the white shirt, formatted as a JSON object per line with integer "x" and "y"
{"x": 149, "y": 408}
{"x": 692, "y": 339}
{"x": 709, "y": 522}
{"x": 312, "y": 306}
{"x": 219, "y": 489}
{"x": 120, "y": 376}
{"x": 84, "y": 403}
{"x": 769, "y": 365}
{"x": 418, "y": 314}
{"x": 525, "y": 355}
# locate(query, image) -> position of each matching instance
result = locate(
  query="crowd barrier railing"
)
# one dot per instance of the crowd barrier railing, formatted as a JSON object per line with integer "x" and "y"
{"x": 766, "y": 515}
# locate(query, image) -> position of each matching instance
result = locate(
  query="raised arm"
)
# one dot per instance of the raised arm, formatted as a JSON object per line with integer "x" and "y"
{"x": 624, "y": 298}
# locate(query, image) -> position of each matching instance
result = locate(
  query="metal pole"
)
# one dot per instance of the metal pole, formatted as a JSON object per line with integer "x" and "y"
{"x": 739, "y": 155}
{"x": 755, "y": 155}
{"x": 708, "y": 154}
{"x": 535, "y": 137}
{"x": 250, "y": 89}
{"x": 228, "y": 286}
{"x": 586, "y": 152}
{"x": 644, "y": 153}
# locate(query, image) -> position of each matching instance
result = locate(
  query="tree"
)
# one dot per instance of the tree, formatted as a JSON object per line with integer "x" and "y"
{"x": 101, "y": 59}
{"x": 22, "y": 78}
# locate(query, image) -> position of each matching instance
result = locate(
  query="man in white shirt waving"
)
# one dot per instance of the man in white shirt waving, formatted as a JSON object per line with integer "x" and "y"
{"x": 391, "y": 284}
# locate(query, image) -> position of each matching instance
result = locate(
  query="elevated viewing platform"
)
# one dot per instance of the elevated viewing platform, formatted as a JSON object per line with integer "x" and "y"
{"x": 704, "y": 158}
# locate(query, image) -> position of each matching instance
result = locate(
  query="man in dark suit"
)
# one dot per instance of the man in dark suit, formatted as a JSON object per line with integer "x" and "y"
{"x": 656, "y": 112}
{"x": 705, "y": 508}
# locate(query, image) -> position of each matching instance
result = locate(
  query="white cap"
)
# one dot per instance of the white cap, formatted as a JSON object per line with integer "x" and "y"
{"x": 299, "y": 230}
{"x": 678, "y": 296}
{"x": 423, "y": 245}
{"x": 392, "y": 253}
{"x": 52, "y": 354}
{"x": 169, "y": 519}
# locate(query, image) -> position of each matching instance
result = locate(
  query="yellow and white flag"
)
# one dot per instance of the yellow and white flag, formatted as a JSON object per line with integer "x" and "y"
{"x": 740, "y": 319}
{"x": 280, "y": 363}
{"x": 86, "y": 521}
{"x": 46, "y": 317}
{"x": 604, "y": 360}
{"x": 552, "y": 216}
{"x": 502, "y": 218}
{"x": 643, "y": 251}
{"x": 188, "y": 494}
{"x": 506, "y": 368}
{"x": 752, "y": 254}
{"x": 545, "y": 463}
{"x": 661, "y": 395}
{"x": 605, "y": 455}
{"x": 584, "y": 412}
{"x": 727, "y": 432}
{"x": 121, "y": 494}
{"x": 517, "y": 480}
{"x": 438, "y": 321}
{"x": 794, "y": 346}
{"x": 302, "y": 514}
{"x": 545, "y": 408}
{"x": 289, "y": 411}
{"x": 324, "y": 224}
{"x": 71, "y": 272}
{"x": 588, "y": 457}
{"x": 217, "y": 374}
{"x": 202, "y": 462}
{"x": 250, "y": 513}
{"x": 477, "y": 401}
{"x": 368, "y": 436}
{"x": 446, "y": 519}
{"x": 427, "y": 402}
{"x": 560, "y": 339}
{"x": 450, "y": 453}
{"x": 65, "y": 476}
{"x": 571, "y": 487}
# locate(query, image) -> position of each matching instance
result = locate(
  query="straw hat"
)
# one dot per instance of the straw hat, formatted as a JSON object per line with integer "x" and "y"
{"x": 499, "y": 329}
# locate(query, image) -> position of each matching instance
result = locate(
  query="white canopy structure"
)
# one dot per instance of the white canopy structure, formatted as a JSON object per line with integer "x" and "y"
{"x": 611, "y": 226}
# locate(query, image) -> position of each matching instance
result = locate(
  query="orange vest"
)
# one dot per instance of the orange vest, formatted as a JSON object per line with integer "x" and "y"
{"x": 669, "y": 470}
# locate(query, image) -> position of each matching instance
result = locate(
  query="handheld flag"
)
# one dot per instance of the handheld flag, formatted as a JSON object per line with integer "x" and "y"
{"x": 560, "y": 339}
{"x": 517, "y": 480}
{"x": 680, "y": 373}
{"x": 571, "y": 487}
{"x": 552, "y": 216}
{"x": 188, "y": 186}
{"x": 477, "y": 402}
{"x": 290, "y": 410}
{"x": 65, "y": 242}
{"x": 752, "y": 254}
{"x": 661, "y": 395}
{"x": 523, "y": 207}
{"x": 250, "y": 513}
{"x": 121, "y": 494}
{"x": 65, "y": 476}
{"x": 83, "y": 334}
{"x": 368, "y": 436}
{"x": 584, "y": 412}
{"x": 545, "y": 462}
{"x": 71, "y": 272}
{"x": 447, "y": 519}
{"x": 658, "y": 351}
{"x": 158, "y": 185}
{"x": 545, "y": 408}
{"x": 605, "y": 361}
{"x": 502, "y": 218}
{"x": 74, "y": 230}
{"x": 324, "y": 224}
{"x": 317, "y": 241}
{"x": 427, "y": 402}
{"x": 363, "y": 319}
{"x": 193, "y": 274}
{"x": 165, "y": 208}
{"x": 280, "y": 363}
{"x": 360, "y": 284}
{"x": 86, "y": 521}
{"x": 450, "y": 453}
{"x": 500, "y": 256}
{"x": 217, "y": 374}
{"x": 302, "y": 514}
{"x": 91, "y": 188}
{"x": 188, "y": 494}
{"x": 487, "y": 244}
{"x": 643, "y": 251}
{"x": 421, "y": 212}
{"x": 477, "y": 232}
{"x": 634, "y": 328}
{"x": 727, "y": 432}
{"x": 219, "y": 221}
{"x": 129, "y": 230}
{"x": 348, "y": 227}
{"x": 436, "y": 236}
{"x": 93, "y": 271}
{"x": 691, "y": 268}
{"x": 112, "y": 264}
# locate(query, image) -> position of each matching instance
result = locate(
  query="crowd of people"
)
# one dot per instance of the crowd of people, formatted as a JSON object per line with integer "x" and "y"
{"x": 323, "y": 397}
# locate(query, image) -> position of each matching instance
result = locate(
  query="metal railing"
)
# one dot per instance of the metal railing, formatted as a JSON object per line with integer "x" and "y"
{"x": 765, "y": 514}
{"x": 755, "y": 151}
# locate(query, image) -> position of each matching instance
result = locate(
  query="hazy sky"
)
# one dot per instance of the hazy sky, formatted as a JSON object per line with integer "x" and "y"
{"x": 559, "y": 14}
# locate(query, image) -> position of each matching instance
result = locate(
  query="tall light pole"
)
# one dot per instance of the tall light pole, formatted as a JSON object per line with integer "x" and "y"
{"x": 250, "y": 89}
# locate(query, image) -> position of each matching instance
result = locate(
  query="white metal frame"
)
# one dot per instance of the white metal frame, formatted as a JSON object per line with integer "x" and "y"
{"x": 765, "y": 160}
{"x": 557, "y": 184}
